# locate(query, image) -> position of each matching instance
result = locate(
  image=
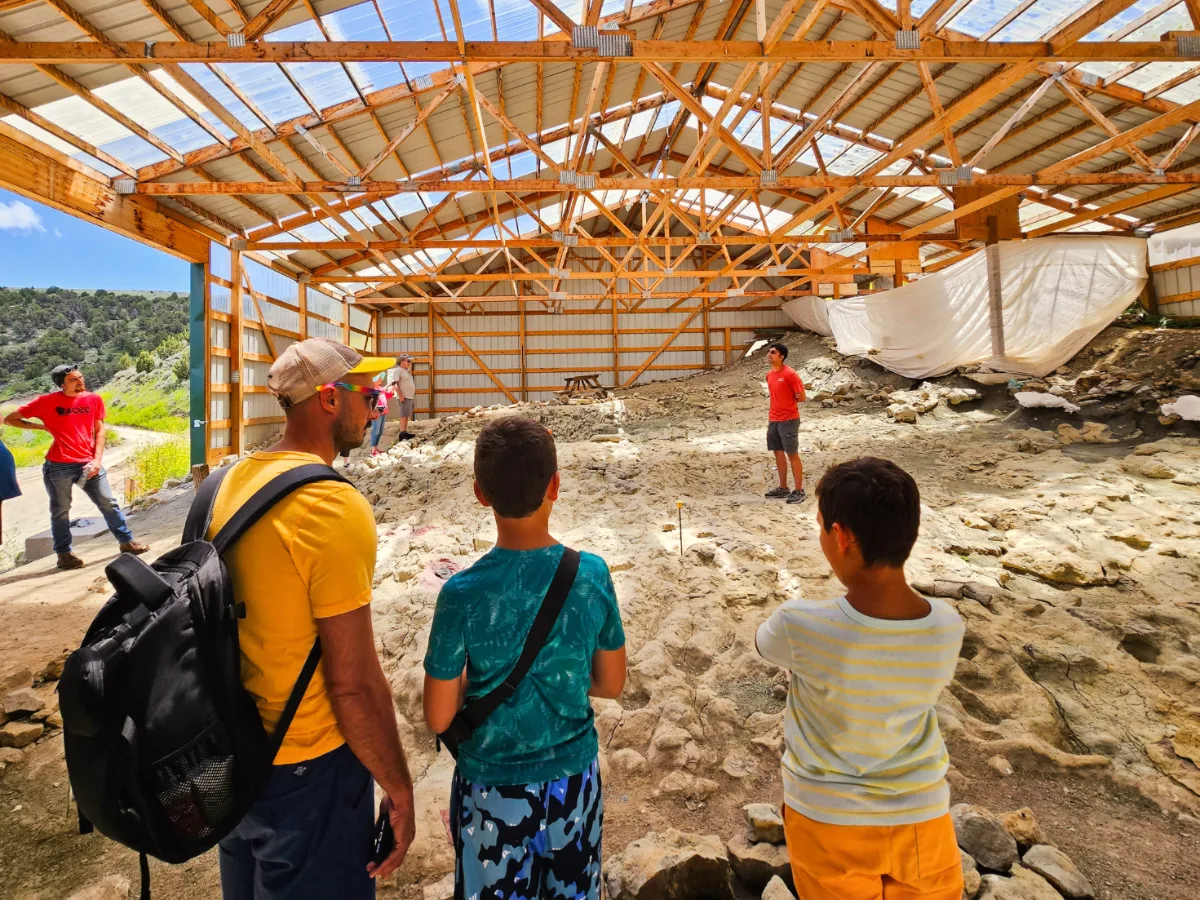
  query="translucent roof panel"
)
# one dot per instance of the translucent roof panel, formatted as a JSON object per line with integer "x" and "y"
{"x": 1149, "y": 77}
{"x": 62, "y": 146}
{"x": 270, "y": 92}
{"x": 152, "y": 111}
{"x": 79, "y": 117}
{"x": 222, "y": 94}
{"x": 361, "y": 23}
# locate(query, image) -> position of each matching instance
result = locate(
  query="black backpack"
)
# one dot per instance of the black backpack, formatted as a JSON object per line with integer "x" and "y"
{"x": 165, "y": 749}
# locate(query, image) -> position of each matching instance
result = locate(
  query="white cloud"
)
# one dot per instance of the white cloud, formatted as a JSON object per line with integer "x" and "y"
{"x": 57, "y": 233}
{"x": 18, "y": 216}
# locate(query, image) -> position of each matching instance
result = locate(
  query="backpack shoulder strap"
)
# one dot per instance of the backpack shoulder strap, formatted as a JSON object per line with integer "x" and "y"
{"x": 267, "y": 496}
{"x": 479, "y": 709}
{"x": 199, "y": 517}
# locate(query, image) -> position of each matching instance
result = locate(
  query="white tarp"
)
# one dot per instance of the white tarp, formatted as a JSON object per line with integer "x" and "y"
{"x": 809, "y": 312}
{"x": 1056, "y": 294}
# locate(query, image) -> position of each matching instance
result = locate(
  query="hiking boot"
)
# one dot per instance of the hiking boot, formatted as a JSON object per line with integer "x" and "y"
{"x": 69, "y": 560}
{"x": 776, "y": 493}
{"x": 797, "y": 496}
{"x": 137, "y": 548}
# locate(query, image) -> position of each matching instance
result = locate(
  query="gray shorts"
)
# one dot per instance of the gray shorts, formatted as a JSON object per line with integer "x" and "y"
{"x": 784, "y": 436}
{"x": 405, "y": 409}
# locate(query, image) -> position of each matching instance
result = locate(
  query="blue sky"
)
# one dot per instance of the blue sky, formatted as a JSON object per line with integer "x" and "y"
{"x": 41, "y": 247}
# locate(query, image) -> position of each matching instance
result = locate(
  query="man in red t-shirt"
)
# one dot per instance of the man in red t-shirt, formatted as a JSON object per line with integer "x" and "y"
{"x": 74, "y": 417}
{"x": 783, "y": 430}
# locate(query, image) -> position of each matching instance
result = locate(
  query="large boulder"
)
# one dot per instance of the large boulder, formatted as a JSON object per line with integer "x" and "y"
{"x": 1058, "y": 869}
{"x": 1022, "y": 885}
{"x": 756, "y": 864}
{"x": 765, "y": 822}
{"x": 670, "y": 865}
{"x": 983, "y": 836}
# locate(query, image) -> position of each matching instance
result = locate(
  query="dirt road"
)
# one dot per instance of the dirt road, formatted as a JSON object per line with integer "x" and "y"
{"x": 28, "y": 514}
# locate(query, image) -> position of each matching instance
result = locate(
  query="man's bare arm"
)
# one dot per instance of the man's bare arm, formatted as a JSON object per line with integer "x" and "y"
{"x": 361, "y": 698}
{"x": 14, "y": 419}
{"x": 99, "y": 456}
{"x": 362, "y": 705}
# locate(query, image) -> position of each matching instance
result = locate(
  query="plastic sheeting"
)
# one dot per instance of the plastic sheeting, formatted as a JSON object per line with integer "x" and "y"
{"x": 809, "y": 312}
{"x": 1055, "y": 295}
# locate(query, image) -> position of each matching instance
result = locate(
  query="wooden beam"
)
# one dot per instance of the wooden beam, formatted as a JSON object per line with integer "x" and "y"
{"x": 271, "y": 13}
{"x": 932, "y": 50}
{"x": 555, "y": 15}
{"x": 41, "y": 173}
{"x": 408, "y": 129}
{"x": 475, "y": 356}
{"x": 1088, "y": 215}
{"x": 378, "y": 189}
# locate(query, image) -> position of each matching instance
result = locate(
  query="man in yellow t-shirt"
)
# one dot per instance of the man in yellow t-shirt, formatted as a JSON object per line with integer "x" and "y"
{"x": 305, "y": 570}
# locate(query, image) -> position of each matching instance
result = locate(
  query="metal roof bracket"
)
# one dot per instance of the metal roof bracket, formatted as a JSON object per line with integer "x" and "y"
{"x": 236, "y": 39}
{"x": 768, "y": 177}
{"x": 1188, "y": 45}
{"x": 124, "y": 185}
{"x": 908, "y": 39}
{"x": 585, "y": 37}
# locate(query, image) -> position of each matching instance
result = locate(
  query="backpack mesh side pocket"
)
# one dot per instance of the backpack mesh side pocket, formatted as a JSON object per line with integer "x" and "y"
{"x": 197, "y": 785}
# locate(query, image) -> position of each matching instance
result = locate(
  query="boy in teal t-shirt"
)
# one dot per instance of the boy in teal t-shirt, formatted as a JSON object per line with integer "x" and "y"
{"x": 525, "y": 808}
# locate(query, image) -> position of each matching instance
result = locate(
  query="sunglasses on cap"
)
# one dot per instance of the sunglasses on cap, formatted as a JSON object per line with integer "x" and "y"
{"x": 373, "y": 394}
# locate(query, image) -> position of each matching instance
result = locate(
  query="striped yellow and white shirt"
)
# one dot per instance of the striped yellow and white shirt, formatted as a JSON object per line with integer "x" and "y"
{"x": 863, "y": 745}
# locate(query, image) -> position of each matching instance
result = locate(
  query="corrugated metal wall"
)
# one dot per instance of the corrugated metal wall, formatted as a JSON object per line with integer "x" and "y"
{"x": 573, "y": 342}
{"x": 278, "y": 299}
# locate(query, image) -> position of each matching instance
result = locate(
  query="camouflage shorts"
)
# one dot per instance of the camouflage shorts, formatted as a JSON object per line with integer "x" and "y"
{"x": 530, "y": 841}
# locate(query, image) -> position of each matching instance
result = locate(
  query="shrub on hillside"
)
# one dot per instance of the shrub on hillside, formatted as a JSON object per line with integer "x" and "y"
{"x": 124, "y": 361}
{"x": 170, "y": 346}
{"x": 183, "y": 365}
{"x": 145, "y": 362}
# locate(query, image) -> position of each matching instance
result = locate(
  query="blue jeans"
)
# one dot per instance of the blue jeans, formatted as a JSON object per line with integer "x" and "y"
{"x": 58, "y": 478}
{"x": 308, "y": 836}
{"x": 377, "y": 429}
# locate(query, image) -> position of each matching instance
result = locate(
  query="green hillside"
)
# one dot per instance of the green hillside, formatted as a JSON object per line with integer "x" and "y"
{"x": 104, "y": 331}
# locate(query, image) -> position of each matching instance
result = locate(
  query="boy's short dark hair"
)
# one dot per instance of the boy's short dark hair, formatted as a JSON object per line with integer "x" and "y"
{"x": 515, "y": 458}
{"x": 878, "y": 502}
{"x": 780, "y": 348}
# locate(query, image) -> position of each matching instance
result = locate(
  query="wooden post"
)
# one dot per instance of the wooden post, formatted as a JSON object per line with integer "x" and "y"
{"x": 995, "y": 291}
{"x": 1149, "y": 296}
{"x": 302, "y": 298}
{"x": 235, "y": 351}
{"x": 345, "y": 323}
{"x": 432, "y": 363}
{"x": 616, "y": 345}
{"x": 524, "y": 382}
{"x": 707, "y": 358}
{"x": 728, "y": 348}
{"x": 375, "y": 317}
{"x": 898, "y": 273}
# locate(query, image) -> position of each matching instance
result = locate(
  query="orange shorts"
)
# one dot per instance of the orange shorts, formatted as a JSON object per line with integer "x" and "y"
{"x": 873, "y": 862}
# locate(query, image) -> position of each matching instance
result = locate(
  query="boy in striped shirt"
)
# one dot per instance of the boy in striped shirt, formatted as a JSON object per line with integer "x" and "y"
{"x": 866, "y": 801}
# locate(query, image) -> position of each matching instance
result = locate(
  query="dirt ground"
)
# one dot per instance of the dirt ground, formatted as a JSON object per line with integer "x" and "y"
{"x": 1070, "y": 543}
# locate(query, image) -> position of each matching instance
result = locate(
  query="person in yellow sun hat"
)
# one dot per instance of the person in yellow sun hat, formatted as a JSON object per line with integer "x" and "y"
{"x": 305, "y": 570}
